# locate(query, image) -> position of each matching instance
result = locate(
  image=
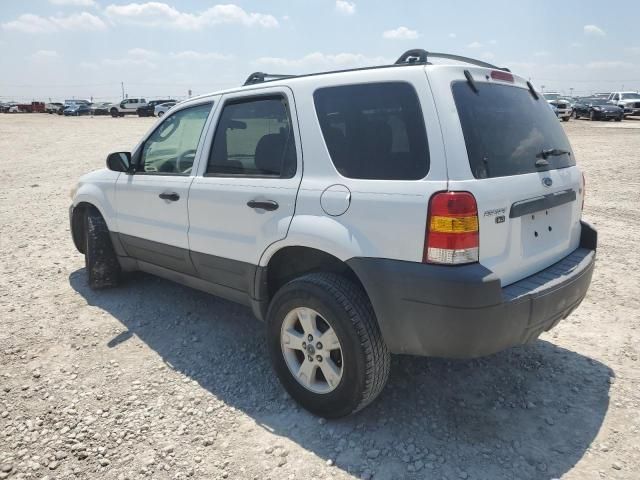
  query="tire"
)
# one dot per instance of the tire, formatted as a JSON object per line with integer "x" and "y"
{"x": 565, "y": 119}
{"x": 575, "y": 115}
{"x": 364, "y": 360}
{"x": 592, "y": 116}
{"x": 101, "y": 262}
{"x": 618, "y": 119}
{"x": 114, "y": 112}
{"x": 161, "y": 113}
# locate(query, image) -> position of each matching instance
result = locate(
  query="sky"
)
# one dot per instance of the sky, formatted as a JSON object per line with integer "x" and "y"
{"x": 59, "y": 49}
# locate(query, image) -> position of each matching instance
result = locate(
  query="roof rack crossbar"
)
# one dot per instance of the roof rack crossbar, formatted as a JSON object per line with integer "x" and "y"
{"x": 260, "y": 77}
{"x": 419, "y": 55}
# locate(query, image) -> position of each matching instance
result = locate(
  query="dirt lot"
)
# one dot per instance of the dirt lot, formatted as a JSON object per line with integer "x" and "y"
{"x": 154, "y": 380}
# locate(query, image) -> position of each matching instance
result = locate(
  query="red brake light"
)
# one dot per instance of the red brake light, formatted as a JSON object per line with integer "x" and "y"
{"x": 501, "y": 75}
{"x": 452, "y": 229}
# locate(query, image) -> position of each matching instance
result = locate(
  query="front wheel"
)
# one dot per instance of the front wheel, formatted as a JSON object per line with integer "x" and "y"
{"x": 592, "y": 116}
{"x": 114, "y": 112}
{"x": 101, "y": 262}
{"x": 325, "y": 345}
{"x": 160, "y": 113}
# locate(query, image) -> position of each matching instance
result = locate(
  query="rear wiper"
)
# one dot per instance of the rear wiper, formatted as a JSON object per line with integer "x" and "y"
{"x": 552, "y": 152}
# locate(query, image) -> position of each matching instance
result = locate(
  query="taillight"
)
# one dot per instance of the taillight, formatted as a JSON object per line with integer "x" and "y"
{"x": 452, "y": 229}
{"x": 584, "y": 190}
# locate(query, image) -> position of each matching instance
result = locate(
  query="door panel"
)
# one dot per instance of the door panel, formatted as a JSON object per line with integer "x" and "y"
{"x": 152, "y": 203}
{"x": 253, "y": 143}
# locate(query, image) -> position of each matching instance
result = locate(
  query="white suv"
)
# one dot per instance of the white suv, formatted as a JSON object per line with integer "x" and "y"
{"x": 128, "y": 106}
{"x": 406, "y": 209}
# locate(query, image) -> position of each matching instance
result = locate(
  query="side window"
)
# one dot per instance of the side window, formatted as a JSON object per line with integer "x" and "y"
{"x": 616, "y": 97}
{"x": 254, "y": 137}
{"x": 374, "y": 130}
{"x": 171, "y": 148}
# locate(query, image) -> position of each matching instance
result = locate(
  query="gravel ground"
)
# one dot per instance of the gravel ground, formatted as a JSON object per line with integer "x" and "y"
{"x": 154, "y": 380}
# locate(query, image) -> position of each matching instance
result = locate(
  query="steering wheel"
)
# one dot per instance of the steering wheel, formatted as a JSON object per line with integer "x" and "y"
{"x": 187, "y": 157}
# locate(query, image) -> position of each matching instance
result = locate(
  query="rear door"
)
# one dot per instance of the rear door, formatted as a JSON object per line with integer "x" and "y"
{"x": 245, "y": 195}
{"x": 499, "y": 141}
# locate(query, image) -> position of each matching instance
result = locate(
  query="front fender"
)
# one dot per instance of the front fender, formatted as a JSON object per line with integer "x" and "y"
{"x": 100, "y": 194}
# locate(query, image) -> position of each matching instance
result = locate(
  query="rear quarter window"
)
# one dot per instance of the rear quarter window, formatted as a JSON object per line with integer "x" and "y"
{"x": 505, "y": 127}
{"x": 374, "y": 130}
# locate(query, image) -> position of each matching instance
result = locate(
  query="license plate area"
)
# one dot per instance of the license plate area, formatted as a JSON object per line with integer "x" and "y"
{"x": 545, "y": 229}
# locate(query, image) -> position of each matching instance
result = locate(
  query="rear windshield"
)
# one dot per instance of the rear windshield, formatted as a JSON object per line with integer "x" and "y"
{"x": 506, "y": 129}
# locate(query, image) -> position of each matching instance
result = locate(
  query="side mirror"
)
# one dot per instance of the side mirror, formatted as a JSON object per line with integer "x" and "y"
{"x": 119, "y": 161}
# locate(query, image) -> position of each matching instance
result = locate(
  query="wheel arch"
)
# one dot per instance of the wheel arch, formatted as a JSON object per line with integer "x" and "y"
{"x": 79, "y": 223}
{"x": 293, "y": 261}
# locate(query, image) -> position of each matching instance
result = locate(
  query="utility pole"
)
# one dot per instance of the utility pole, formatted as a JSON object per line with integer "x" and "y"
{"x": 571, "y": 91}
{"x": 122, "y": 85}
{"x": 542, "y": 88}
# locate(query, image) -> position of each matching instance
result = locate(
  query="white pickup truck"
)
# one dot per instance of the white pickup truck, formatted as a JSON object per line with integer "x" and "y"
{"x": 128, "y": 106}
{"x": 628, "y": 101}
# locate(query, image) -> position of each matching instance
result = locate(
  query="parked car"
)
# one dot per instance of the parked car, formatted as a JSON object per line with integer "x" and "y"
{"x": 77, "y": 110}
{"x": 53, "y": 107}
{"x": 102, "y": 108}
{"x": 562, "y": 105}
{"x": 163, "y": 108}
{"x": 554, "y": 109}
{"x": 14, "y": 109}
{"x": 128, "y": 106}
{"x": 628, "y": 101}
{"x": 597, "y": 109}
{"x": 148, "y": 110}
{"x": 382, "y": 244}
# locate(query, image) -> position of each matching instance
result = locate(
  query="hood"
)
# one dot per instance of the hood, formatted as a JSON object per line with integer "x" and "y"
{"x": 608, "y": 108}
{"x": 103, "y": 174}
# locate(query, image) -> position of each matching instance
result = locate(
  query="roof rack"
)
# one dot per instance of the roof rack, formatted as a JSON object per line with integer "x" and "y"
{"x": 259, "y": 77}
{"x": 420, "y": 56}
{"x": 416, "y": 56}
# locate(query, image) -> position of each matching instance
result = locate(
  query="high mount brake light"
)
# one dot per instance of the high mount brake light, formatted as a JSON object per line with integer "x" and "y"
{"x": 500, "y": 75}
{"x": 452, "y": 236}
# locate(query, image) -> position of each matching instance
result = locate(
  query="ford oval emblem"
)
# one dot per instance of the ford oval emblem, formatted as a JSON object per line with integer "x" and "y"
{"x": 547, "y": 182}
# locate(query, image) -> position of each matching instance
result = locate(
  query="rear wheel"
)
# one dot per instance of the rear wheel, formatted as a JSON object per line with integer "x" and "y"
{"x": 160, "y": 113}
{"x": 101, "y": 262}
{"x": 565, "y": 119}
{"x": 618, "y": 119}
{"x": 325, "y": 344}
{"x": 114, "y": 112}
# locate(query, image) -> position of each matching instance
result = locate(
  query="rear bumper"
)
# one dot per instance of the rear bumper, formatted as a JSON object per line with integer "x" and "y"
{"x": 463, "y": 312}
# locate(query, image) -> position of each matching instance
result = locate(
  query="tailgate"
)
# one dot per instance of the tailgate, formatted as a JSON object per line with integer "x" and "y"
{"x": 508, "y": 149}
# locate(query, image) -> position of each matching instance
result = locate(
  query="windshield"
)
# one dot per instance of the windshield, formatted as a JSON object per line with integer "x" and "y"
{"x": 630, "y": 96}
{"x": 505, "y": 129}
{"x": 552, "y": 96}
{"x": 596, "y": 101}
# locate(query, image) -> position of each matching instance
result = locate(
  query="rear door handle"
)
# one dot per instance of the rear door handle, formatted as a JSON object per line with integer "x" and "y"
{"x": 269, "y": 205}
{"x": 172, "y": 197}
